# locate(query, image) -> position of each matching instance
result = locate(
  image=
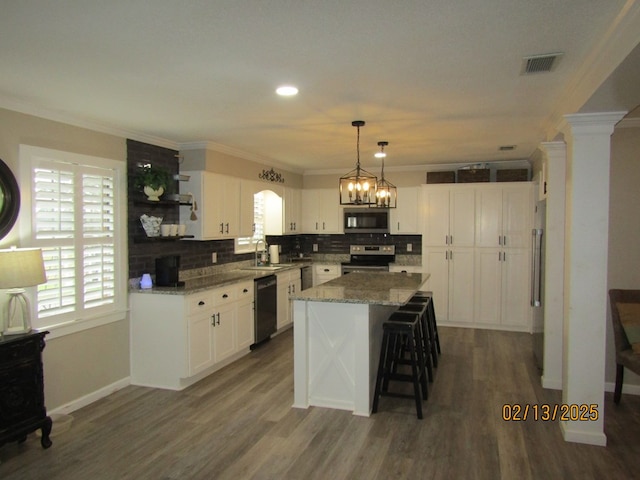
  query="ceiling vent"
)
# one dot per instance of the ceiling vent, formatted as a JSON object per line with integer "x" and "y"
{"x": 539, "y": 63}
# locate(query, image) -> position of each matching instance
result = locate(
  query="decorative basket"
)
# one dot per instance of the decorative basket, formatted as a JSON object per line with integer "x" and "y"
{"x": 151, "y": 225}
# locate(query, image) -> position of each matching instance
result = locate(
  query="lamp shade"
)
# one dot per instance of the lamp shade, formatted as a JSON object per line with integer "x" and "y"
{"x": 21, "y": 267}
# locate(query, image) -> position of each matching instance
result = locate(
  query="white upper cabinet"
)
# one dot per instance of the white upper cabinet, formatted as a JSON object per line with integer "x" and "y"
{"x": 405, "y": 218}
{"x": 218, "y": 199}
{"x": 449, "y": 215}
{"x": 321, "y": 211}
{"x": 292, "y": 211}
{"x": 503, "y": 215}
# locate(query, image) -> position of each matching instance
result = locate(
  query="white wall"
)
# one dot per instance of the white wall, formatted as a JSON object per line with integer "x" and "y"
{"x": 624, "y": 227}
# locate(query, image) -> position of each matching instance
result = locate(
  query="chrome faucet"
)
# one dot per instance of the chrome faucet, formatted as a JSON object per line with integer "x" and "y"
{"x": 264, "y": 250}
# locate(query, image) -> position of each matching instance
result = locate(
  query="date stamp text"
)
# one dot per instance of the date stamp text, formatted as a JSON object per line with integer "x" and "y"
{"x": 521, "y": 412}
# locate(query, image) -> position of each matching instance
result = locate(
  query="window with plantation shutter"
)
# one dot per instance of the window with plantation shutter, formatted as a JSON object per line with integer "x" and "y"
{"x": 77, "y": 218}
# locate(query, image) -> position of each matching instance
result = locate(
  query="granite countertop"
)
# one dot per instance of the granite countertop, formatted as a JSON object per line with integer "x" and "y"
{"x": 199, "y": 284}
{"x": 379, "y": 288}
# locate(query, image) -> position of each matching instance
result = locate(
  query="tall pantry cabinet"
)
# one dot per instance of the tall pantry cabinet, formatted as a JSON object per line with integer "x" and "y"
{"x": 504, "y": 219}
{"x": 447, "y": 250}
{"x": 476, "y": 246}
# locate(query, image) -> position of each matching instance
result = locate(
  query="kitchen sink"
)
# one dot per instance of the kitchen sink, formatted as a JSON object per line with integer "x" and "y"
{"x": 270, "y": 268}
{"x": 265, "y": 268}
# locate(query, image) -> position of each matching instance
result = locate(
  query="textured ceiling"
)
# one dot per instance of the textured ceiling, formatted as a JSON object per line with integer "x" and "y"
{"x": 439, "y": 80}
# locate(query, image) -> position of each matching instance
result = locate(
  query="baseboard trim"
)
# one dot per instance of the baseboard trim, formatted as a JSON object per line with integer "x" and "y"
{"x": 630, "y": 389}
{"x": 550, "y": 383}
{"x": 92, "y": 397}
{"x": 589, "y": 438}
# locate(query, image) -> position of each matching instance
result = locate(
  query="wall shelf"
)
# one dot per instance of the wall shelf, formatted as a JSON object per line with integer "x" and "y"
{"x": 160, "y": 203}
{"x": 145, "y": 239}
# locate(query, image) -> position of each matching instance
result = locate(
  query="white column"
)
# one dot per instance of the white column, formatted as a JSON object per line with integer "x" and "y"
{"x": 556, "y": 164}
{"x": 585, "y": 288}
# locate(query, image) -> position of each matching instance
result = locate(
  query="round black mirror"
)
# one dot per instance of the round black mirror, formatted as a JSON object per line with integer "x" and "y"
{"x": 9, "y": 199}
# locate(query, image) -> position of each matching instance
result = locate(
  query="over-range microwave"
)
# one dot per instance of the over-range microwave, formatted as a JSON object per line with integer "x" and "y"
{"x": 366, "y": 220}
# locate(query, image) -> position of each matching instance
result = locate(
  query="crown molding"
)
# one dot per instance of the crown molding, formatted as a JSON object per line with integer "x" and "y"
{"x": 56, "y": 116}
{"x": 614, "y": 46}
{"x": 629, "y": 123}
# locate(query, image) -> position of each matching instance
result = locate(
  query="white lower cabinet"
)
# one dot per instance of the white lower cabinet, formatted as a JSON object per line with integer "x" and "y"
{"x": 289, "y": 282}
{"x": 245, "y": 335}
{"x": 405, "y": 268}
{"x": 200, "y": 345}
{"x": 451, "y": 281}
{"x": 178, "y": 339}
{"x": 502, "y": 288}
{"x": 324, "y": 272}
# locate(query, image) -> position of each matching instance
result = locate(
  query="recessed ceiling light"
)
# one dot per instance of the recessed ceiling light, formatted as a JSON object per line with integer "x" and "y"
{"x": 287, "y": 90}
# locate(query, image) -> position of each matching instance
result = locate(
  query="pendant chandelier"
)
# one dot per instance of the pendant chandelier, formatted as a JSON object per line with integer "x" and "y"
{"x": 358, "y": 187}
{"x": 386, "y": 192}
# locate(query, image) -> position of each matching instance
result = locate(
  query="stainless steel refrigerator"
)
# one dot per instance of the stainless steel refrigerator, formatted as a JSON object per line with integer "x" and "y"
{"x": 537, "y": 282}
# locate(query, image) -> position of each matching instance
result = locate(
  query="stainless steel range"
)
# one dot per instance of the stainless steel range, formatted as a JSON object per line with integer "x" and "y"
{"x": 369, "y": 258}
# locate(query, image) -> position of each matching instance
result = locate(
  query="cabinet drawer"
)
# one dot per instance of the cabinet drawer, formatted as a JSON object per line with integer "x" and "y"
{"x": 244, "y": 290}
{"x": 322, "y": 269}
{"x": 222, "y": 296}
{"x": 199, "y": 302}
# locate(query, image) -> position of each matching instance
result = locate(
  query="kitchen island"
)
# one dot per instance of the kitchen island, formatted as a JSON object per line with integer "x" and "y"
{"x": 337, "y": 336}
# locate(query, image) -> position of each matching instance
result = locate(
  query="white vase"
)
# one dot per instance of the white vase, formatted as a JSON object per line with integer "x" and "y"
{"x": 152, "y": 194}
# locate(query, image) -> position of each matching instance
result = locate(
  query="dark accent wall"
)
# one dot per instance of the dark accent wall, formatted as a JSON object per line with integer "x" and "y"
{"x": 197, "y": 254}
{"x": 142, "y": 254}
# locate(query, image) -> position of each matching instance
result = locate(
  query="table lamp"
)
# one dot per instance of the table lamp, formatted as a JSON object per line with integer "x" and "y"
{"x": 19, "y": 268}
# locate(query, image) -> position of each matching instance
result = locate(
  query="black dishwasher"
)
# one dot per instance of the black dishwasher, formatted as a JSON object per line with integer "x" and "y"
{"x": 265, "y": 310}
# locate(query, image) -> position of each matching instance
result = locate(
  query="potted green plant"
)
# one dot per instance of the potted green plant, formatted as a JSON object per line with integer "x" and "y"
{"x": 153, "y": 181}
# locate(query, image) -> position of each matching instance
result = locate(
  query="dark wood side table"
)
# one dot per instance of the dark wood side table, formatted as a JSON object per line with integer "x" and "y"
{"x": 22, "y": 409}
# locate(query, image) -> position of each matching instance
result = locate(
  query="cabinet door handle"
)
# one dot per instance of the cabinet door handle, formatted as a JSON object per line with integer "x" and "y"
{"x": 227, "y": 228}
{"x": 504, "y": 240}
{"x": 450, "y": 255}
{"x": 326, "y": 269}
{"x": 201, "y": 302}
{"x": 398, "y": 226}
{"x": 222, "y": 228}
{"x": 450, "y": 239}
{"x": 213, "y": 319}
{"x": 322, "y": 225}
{"x": 316, "y": 225}
{"x": 224, "y": 295}
{"x": 244, "y": 290}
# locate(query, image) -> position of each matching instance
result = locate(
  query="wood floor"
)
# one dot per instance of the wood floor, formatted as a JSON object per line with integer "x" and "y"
{"x": 238, "y": 424}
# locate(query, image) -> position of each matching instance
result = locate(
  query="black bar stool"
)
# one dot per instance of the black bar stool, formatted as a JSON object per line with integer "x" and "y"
{"x": 422, "y": 295}
{"x": 400, "y": 331}
{"x": 420, "y": 308}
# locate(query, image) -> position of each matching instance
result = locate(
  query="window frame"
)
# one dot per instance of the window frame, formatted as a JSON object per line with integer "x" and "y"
{"x": 64, "y": 324}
